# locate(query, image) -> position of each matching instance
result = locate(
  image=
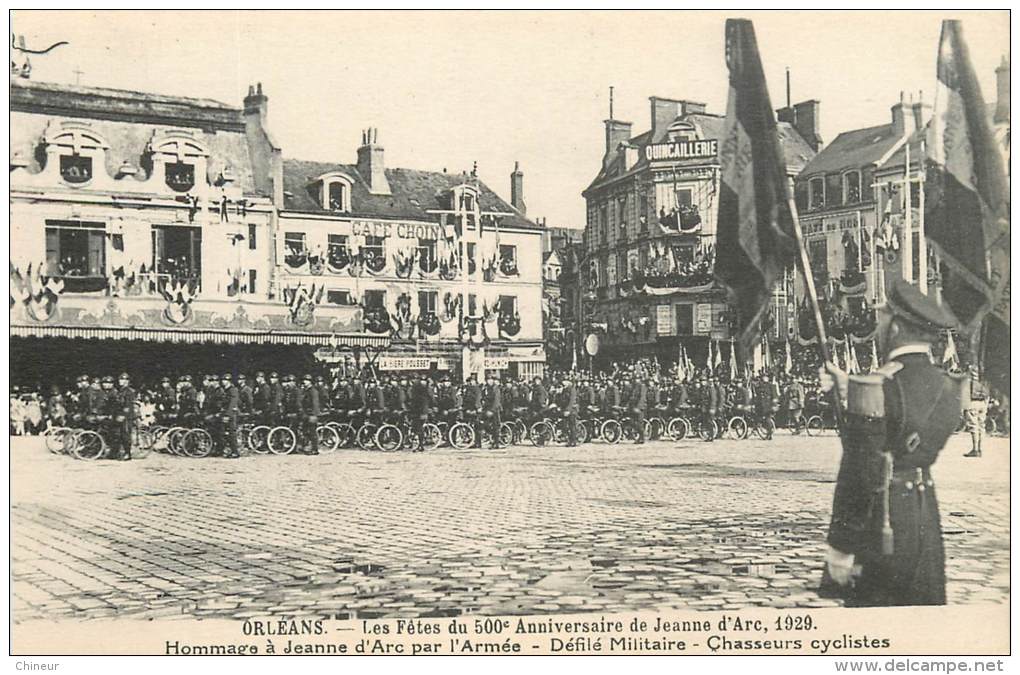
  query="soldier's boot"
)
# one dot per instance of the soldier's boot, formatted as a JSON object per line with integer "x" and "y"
{"x": 313, "y": 439}
{"x": 973, "y": 453}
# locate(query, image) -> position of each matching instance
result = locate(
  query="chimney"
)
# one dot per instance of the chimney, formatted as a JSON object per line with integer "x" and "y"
{"x": 370, "y": 163}
{"x": 1002, "y": 92}
{"x": 664, "y": 111}
{"x": 517, "y": 190}
{"x": 256, "y": 104}
{"x": 807, "y": 120}
{"x": 922, "y": 112}
{"x": 903, "y": 118}
{"x": 616, "y": 132}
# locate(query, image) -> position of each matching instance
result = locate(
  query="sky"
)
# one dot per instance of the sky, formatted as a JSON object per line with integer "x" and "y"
{"x": 448, "y": 89}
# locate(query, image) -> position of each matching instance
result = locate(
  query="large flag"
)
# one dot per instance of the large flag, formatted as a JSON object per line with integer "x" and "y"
{"x": 788, "y": 364}
{"x": 755, "y": 227}
{"x": 967, "y": 194}
{"x": 734, "y": 370}
{"x": 949, "y": 356}
{"x": 717, "y": 360}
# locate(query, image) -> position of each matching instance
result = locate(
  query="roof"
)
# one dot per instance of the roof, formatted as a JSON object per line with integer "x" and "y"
{"x": 853, "y": 149}
{"x": 412, "y": 193}
{"x": 127, "y": 121}
{"x": 795, "y": 149}
{"x": 122, "y": 104}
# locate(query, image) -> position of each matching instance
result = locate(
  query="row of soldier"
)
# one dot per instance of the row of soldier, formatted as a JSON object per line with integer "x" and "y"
{"x": 221, "y": 402}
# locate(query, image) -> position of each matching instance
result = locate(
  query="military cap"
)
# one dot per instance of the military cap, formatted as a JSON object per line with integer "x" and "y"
{"x": 107, "y": 379}
{"x": 908, "y": 303}
{"x": 288, "y": 378}
{"x": 306, "y": 378}
{"x": 320, "y": 378}
{"x": 123, "y": 376}
{"x": 186, "y": 378}
{"x": 274, "y": 374}
{"x": 166, "y": 380}
{"x": 260, "y": 374}
{"x": 83, "y": 378}
{"x": 227, "y": 377}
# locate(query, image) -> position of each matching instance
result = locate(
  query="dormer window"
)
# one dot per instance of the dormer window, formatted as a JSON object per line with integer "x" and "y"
{"x": 76, "y": 150}
{"x": 816, "y": 192}
{"x": 76, "y": 168}
{"x": 852, "y": 187}
{"x": 180, "y": 176}
{"x": 681, "y": 131}
{"x": 336, "y": 192}
{"x": 180, "y": 156}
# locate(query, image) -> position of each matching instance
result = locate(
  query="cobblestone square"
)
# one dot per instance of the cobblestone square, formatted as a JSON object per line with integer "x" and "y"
{"x": 524, "y": 530}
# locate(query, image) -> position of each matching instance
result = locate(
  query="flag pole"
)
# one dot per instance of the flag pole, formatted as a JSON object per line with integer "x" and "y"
{"x": 809, "y": 283}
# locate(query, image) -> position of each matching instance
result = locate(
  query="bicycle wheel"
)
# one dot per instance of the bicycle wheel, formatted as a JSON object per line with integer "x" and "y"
{"x": 583, "y": 432}
{"x": 258, "y": 439}
{"x": 678, "y": 429}
{"x": 389, "y": 438}
{"x": 365, "y": 437}
{"x": 560, "y": 431}
{"x": 56, "y": 439}
{"x": 329, "y": 439}
{"x": 612, "y": 431}
{"x": 656, "y": 427}
{"x": 243, "y": 434}
{"x": 89, "y": 445}
{"x": 432, "y": 436}
{"x": 708, "y": 430}
{"x": 462, "y": 436}
{"x": 141, "y": 444}
{"x": 541, "y": 433}
{"x": 345, "y": 434}
{"x": 765, "y": 429}
{"x": 197, "y": 443}
{"x": 520, "y": 431}
{"x": 815, "y": 425}
{"x": 282, "y": 441}
{"x": 738, "y": 427}
{"x": 506, "y": 434}
{"x": 175, "y": 440}
{"x": 629, "y": 430}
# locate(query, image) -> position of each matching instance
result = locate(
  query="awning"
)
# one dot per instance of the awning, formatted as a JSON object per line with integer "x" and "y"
{"x": 203, "y": 336}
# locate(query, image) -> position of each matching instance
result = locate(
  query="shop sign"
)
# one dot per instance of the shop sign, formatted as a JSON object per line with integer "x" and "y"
{"x": 703, "y": 318}
{"x": 404, "y": 363}
{"x": 682, "y": 150}
{"x": 664, "y": 320}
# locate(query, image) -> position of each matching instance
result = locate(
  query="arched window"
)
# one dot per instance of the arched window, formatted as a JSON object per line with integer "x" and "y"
{"x": 77, "y": 150}
{"x": 681, "y": 131}
{"x": 336, "y": 192}
{"x": 180, "y": 157}
{"x": 816, "y": 192}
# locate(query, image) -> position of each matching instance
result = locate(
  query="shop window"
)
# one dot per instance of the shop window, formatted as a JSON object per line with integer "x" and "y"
{"x": 75, "y": 249}
{"x": 336, "y": 244}
{"x": 177, "y": 252}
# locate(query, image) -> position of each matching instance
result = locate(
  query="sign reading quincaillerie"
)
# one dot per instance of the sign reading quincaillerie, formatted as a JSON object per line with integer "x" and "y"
{"x": 682, "y": 150}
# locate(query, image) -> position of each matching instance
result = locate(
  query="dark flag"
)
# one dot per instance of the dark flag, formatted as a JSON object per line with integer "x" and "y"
{"x": 755, "y": 228}
{"x": 967, "y": 195}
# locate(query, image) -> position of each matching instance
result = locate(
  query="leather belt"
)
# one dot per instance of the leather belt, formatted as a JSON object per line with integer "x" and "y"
{"x": 918, "y": 478}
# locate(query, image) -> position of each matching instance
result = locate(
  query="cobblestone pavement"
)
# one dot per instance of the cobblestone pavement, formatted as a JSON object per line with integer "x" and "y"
{"x": 526, "y": 530}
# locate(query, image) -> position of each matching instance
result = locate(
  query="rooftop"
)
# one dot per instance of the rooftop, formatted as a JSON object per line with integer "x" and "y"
{"x": 412, "y": 193}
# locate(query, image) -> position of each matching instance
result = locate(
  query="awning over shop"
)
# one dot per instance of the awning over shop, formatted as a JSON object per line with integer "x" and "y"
{"x": 201, "y": 336}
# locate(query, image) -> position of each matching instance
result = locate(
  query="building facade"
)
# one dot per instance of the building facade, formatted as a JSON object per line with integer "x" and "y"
{"x": 861, "y": 204}
{"x": 650, "y": 233}
{"x": 436, "y": 261}
{"x": 139, "y": 220}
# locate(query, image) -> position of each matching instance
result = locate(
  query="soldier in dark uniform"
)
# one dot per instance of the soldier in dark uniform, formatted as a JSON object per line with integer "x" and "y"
{"x": 261, "y": 398}
{"x": 325, "y": 395}
{"x": 420, "y": 406}
{"x": 78, "y": 402}
{"x": 110, "y": 411}
{"x": 494, "y": 408}
{"x": 885, "y": 537}
{"x": 539, "y": 399}
{"x": 246, "y": 398}
{"x": 166, "y": 402}
{"x": 292, "y": 410}
{"x": 638, "y": 404}
{"x": 229, "y": 409}
{"x": 311, "y": 409}
{"x": 472, "y": 405}
{"x": 187, "y": 402}
{"x": 570, "y": 408}
{"x": 126, "y": 398}
{"x": 211, "y": 404}
{"x": 274, "y": 415}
